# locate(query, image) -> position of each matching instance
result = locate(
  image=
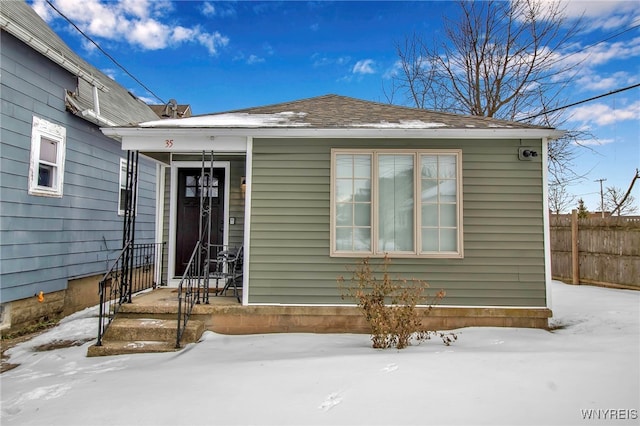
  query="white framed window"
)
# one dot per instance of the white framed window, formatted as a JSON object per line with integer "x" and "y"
{"x": 123, "y": 192}
{"x": 403, "y": 203}
{"x": 46, "y": 167}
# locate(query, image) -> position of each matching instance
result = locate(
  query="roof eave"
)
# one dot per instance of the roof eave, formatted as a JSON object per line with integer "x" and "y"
{"x": 347, "y": 132}
{"x": 26, "y": 37}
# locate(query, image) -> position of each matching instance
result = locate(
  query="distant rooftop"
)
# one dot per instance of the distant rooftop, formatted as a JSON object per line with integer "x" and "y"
{"x": 166, "y": 111}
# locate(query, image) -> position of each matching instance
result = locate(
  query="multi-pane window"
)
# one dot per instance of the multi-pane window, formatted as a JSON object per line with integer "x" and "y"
{"x": 123, "y": 193}
{"x": 404, "y": 203}
{"x": 194, "y": 184}
{"x": 46, "y": 169}
{"x": 353, "y": 202}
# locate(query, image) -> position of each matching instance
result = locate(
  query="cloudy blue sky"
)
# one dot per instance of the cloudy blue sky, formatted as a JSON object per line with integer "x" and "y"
{"x": 227, "y": 55}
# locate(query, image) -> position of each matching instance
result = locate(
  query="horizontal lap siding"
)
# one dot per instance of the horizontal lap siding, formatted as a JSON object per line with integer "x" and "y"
{"x": 503, "y": 262}
{"x": 236, "y": 200}
{"x": 46, "y": 241}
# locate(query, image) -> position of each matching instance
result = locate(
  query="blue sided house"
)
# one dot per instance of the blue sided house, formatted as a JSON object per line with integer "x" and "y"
{"x": 64, "y": 186}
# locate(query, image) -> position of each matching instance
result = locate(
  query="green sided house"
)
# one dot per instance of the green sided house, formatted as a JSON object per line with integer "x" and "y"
{"x": 312, "y": 186}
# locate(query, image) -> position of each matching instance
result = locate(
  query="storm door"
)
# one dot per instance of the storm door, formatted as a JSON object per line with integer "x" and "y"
{"x": 190, "y": 185}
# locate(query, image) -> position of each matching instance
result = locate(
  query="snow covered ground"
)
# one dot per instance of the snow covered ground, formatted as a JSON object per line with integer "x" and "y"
{"x": 586, "y": 372}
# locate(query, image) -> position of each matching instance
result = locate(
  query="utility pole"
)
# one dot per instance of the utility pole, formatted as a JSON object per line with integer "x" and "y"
{"x": 601, "y": 195}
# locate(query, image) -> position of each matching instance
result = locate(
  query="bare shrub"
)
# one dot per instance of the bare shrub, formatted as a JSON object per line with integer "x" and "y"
{"x": 389, "y": 305}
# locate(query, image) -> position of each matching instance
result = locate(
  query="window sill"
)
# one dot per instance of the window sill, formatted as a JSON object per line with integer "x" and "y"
{"x": 42, "y": 192}
{"x": 448, "y": 255}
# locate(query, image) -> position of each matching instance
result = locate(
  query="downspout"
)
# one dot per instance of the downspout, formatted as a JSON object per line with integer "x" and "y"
{"x": 96, "y": 101}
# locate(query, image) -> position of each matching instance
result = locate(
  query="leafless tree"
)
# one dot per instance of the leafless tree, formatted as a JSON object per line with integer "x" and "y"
{"x": 497, "y": 59}
{"x": 559, "y": 198}
{"x": 613, "y": 200}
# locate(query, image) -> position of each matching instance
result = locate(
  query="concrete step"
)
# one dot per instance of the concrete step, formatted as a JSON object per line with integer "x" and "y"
{"x": 130, "y": 347}
{"x": 152, "y": 329}
{"x": 144, "y": 335}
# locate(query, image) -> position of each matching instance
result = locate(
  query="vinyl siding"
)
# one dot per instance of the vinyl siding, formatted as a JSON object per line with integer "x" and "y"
{"x": 46, "y": 241}
{"x": 236, "y": 200}
{"x": 503, "y": 262}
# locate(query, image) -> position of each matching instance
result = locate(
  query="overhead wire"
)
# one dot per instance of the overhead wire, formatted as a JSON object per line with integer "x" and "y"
{"x": 595, "y": 97}
{"x": 105, "y": 53}
{"x": 580, "y": 102}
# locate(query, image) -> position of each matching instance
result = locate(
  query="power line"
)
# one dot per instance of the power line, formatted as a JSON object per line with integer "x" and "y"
{"x": 105, "y": 53}
{"x": 597, "y": 43}
{"x": 580, "y": 102}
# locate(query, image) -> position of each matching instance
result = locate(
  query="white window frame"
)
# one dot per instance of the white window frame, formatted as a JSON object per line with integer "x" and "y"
{"x": 122, "y": 183}
{"x": 417, "y": 205}
{"x": 42, "y": 129}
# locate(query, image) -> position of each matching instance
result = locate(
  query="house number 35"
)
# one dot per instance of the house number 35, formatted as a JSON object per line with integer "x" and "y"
{"x": 168, "y": 143}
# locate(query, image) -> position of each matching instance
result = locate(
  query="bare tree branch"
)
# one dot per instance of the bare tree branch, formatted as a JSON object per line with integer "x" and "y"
{"x": 496, "y": 59}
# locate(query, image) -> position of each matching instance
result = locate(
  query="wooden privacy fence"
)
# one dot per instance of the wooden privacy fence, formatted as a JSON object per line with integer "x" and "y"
{"x": 600, "y": 251}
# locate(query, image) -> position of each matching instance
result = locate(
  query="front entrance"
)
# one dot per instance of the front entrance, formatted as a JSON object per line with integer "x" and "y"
{"x": 190, "y": 184}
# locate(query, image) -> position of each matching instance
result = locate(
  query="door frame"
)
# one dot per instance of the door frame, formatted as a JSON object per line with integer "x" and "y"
{"x": 173, "y": 213}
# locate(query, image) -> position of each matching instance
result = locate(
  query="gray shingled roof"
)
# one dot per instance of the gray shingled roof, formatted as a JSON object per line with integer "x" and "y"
{"x": 117, "y": 104}
{"x": 340, "y": 112}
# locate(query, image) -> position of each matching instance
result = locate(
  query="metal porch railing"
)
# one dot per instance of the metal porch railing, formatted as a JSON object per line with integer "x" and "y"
{"x": 134, "y": 270}
{"x": 189, "y": 291}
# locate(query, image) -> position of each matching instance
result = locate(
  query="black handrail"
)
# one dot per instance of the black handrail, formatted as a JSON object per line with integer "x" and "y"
{"x": 123, "y": 280}
{"x": 188, "y": 292}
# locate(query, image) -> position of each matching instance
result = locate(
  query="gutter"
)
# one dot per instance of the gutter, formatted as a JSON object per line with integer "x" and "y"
{"x": 346, "y": 132}
{"x": 24, "y": 36}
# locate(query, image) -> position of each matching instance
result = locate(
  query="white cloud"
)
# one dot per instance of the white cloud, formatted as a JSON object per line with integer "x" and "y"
{"x": 150, "y": 33}
{"x": 321, "y": 61}
{"x": 42, "y": 8}
{"x": 220, "y": 9}
{"x": 593, "y": 142}
{"x": 253, "y": 59}
{"x": 110, "y": 72}
{"x": 142, "y": 23}
{"x": 212, "y": 41}
{"x": 605, "y": 15}
{"x": 602, "y": 83}
{"x": 181, "y": 34}
{"x": 601, "y": 53}
{"x": 208, "y": 9}
{"x": 364, "y": 66}
{"x": 603, "y": 114}
{"x": 268, "y": 49}
{"x": 139, "y": 8}
{"x": 393, "y": 70}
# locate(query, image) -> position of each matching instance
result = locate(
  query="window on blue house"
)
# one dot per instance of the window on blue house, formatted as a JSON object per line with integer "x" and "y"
{"x": 400, "y": 203}
{"x": 46, "y": 167}
{"x": 123, "y": 192}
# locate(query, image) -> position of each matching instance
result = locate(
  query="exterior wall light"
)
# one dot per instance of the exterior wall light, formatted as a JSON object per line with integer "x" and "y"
{"x": 526, "y": 154}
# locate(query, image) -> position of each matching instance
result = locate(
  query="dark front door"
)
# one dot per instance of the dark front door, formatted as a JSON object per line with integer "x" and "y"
{"x": 188, "y": 218}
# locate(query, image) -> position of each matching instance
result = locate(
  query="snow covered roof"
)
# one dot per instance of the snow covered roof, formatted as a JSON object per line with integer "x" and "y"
{"x": 337, "y": 112}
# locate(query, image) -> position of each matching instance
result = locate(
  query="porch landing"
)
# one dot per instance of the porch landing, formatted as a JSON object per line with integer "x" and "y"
{"x": 225, "y": 315}
{"x": 149, "y": 323}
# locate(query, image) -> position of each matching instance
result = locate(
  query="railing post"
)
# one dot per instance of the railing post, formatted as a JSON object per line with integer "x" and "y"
{"x": 100, "y": 312}
{"x": 178, "y": 334}
{"x": 575, "y": 256}
{"x": 162, "y": 262}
